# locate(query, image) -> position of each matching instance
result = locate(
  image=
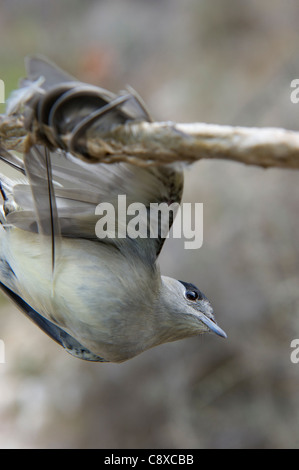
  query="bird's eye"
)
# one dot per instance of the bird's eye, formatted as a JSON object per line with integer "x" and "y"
{"x": 191, "y": 295}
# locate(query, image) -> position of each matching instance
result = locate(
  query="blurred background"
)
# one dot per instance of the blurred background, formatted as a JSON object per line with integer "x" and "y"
{"x": 222, "y": 62}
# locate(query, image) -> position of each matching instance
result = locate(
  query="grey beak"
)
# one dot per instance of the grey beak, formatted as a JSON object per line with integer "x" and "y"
{"x": 212, "y": 326}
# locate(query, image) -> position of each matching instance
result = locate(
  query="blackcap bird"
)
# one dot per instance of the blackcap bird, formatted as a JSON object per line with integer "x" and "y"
{"x": 100, "y": 297}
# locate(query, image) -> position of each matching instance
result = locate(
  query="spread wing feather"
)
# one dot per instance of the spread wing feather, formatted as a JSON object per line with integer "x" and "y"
{"x": 61, "y": 193}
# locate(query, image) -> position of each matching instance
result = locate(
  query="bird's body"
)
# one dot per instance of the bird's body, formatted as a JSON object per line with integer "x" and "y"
{"x": 74, "y": 298}
{"x": 102, "y": 299}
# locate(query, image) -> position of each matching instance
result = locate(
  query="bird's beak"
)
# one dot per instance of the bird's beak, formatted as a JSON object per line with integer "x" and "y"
{"x": 213, "y": 327}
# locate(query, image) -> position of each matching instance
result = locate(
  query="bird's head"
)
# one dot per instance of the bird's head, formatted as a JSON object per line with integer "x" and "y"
{"x": 186, "y": 309}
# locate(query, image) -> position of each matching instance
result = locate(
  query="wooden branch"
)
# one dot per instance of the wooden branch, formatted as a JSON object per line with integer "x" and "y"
{"x": 13, "y": 135}
{"x": 166, "y": 142}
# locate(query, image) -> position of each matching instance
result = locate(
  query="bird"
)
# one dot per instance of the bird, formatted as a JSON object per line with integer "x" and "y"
{"x": 102, "y": 299}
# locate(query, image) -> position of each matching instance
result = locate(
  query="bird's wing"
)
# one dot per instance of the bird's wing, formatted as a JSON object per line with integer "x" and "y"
{"x": 61, "y": 200}
{"x": 62, "y": 192}
{"x": 38, "y": 66}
